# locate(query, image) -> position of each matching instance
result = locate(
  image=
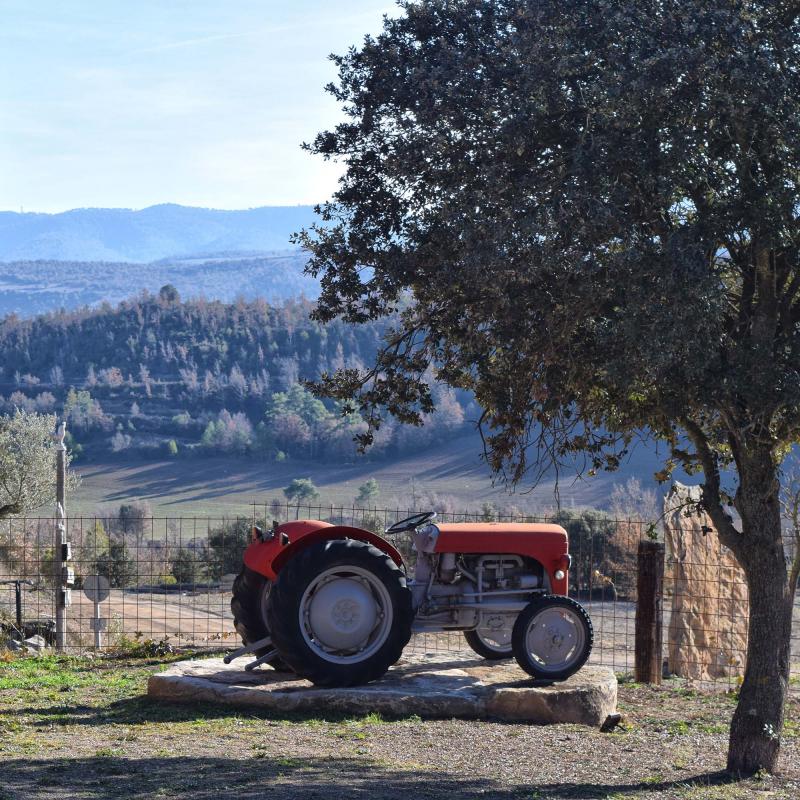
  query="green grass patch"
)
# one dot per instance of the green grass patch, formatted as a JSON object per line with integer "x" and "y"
{"x": 684, "y": 727}
{"x": 679, "y": 728}
{"x": 47, "y": 672}
{"x": 96, "y": 710}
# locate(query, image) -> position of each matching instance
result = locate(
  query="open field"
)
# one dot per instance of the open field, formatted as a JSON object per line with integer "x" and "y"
{"x": 72, "y": 728}
{"x": 226, "y": 486}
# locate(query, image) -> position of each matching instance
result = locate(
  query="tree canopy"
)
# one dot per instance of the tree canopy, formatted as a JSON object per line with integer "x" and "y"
{"x": 593, "y": 208}
{"x": 594, "y": 205}
{"x": 300, "y": 490}
{"x": 27, "y": 462}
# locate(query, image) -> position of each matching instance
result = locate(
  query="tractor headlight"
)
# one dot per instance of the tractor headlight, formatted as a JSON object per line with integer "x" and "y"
{"x": 560, "y": 574}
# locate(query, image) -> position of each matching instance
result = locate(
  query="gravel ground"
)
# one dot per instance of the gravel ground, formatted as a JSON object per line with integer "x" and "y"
{"x": 72, "y": 728}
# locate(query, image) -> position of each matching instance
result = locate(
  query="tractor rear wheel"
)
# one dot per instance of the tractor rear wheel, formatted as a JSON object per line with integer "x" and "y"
{"x": 340, "y": 613}
{"x": 249, "y": 602}
{"x": 552, "y": 637}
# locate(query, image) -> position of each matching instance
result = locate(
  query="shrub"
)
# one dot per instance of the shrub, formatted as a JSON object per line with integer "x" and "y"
{"x": 596, "y": 544}
{"x": 226, "y": 543}
{"x": 188, "y": 567}
{"x": 118, "y": 566}
{"x": 133, "y": 516}
{"x": 120, "y": 441}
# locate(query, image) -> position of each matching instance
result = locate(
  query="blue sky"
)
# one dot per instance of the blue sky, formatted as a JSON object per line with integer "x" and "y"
{"x": 128, "y": 104}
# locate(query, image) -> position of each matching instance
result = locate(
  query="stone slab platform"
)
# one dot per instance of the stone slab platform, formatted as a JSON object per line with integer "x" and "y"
{"x": 432, "y": 686}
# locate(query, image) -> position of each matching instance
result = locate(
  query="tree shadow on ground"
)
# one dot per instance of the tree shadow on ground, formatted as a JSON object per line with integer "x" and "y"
{"x": 139, "y": 710}
{"x": 203, "y": 778}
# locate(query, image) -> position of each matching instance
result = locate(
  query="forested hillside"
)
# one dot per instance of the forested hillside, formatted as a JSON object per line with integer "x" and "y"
{"x": 156, "y": 375}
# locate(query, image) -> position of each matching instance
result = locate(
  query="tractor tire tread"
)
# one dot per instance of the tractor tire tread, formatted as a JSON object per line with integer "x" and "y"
{"x": 477, "y": 644}
{"x": 246, "y": 610}
{"x": 287, "y": 593}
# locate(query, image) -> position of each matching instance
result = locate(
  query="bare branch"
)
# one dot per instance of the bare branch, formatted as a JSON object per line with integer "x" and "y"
{"x": 712, "y": 498}
{"x": 790, "y": 509}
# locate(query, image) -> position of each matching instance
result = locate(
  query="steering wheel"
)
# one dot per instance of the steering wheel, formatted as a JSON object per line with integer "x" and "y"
{"x": 414, "y": 521}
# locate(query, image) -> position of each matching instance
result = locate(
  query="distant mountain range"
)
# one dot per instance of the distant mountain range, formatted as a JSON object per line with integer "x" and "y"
{"x": 90, "y": 255}
{"x": 36, "y": 287}
{"x": 162, "y": 231}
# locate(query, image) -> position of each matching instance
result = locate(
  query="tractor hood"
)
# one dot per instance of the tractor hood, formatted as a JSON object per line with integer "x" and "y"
{"x": 547, "y": 544}
{"x": 494, "y": 528}
{"x": 523, "y": 538}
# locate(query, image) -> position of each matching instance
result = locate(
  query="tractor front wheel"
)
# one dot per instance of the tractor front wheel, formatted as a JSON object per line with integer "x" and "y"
{"x": 340, "y": 613}
{"x": 552, "y": 637}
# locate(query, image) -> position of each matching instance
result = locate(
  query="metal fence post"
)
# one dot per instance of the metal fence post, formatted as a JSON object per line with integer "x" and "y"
{"x": 61, "y": 548}
{"x": 18, "y": 606}
{"x": 649, "y": 612}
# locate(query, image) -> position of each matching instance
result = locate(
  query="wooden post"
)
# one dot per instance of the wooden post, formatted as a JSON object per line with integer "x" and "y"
{"x": 649, "y": 612}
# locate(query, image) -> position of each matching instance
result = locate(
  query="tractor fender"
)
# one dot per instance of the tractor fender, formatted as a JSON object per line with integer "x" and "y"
{"x": 270, "y": 563}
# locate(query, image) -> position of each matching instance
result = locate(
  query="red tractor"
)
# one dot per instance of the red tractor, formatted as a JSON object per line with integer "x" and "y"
{"x": 336, "y": 605}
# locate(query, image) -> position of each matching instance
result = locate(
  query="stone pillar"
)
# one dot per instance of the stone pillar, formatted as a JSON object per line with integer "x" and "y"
{"x": 707, "y": 630}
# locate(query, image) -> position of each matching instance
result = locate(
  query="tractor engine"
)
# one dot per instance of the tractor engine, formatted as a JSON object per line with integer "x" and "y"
{"x": 462, "y": 591}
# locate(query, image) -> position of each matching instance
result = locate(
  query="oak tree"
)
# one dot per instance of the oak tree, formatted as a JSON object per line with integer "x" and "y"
{"x": 586, "y": 213}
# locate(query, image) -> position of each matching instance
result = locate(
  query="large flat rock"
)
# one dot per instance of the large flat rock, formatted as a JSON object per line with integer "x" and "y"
{"x": 432, "y": 686}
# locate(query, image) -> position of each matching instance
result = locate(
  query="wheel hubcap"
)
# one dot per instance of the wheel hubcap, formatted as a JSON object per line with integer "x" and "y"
{"x": 345, "y": 614}
{"x": 342, "y": 613}
{"x": 555, "y": 638}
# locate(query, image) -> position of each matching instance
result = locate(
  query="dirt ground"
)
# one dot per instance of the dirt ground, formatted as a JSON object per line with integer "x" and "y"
{"x": 75, "y": 728}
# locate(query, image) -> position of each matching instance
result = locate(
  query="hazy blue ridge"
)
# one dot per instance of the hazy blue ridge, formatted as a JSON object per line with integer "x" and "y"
{"x": 91, "y": 255}
{"x": 28, "y": 288}
{"x": 157, "y": 232}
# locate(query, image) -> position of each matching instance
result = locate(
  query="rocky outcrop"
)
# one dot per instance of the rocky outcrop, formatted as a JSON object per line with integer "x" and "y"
{"x": 430, "y": 687}
{"x": 709, "y": 607}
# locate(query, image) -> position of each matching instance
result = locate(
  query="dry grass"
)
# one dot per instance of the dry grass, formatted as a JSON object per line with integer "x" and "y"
{"x": 226, "y": 486}
{"x": 73, "y": 728}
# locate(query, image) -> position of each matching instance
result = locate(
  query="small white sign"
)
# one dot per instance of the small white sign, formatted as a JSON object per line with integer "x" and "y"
{"x": 96, "y": 587}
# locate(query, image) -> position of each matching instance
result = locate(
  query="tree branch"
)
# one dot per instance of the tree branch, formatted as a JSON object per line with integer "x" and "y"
{"x": 790, "y": 507}
{"x": 712, "y": 499}
{"x": 10, "y": 508}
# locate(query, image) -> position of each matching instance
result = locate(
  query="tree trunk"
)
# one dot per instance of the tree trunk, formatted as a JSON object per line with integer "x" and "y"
{"x": 758, "y": 720}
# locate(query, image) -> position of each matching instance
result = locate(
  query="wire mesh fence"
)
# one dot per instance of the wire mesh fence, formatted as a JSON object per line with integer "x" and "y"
{"x": 170, "y": 582}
